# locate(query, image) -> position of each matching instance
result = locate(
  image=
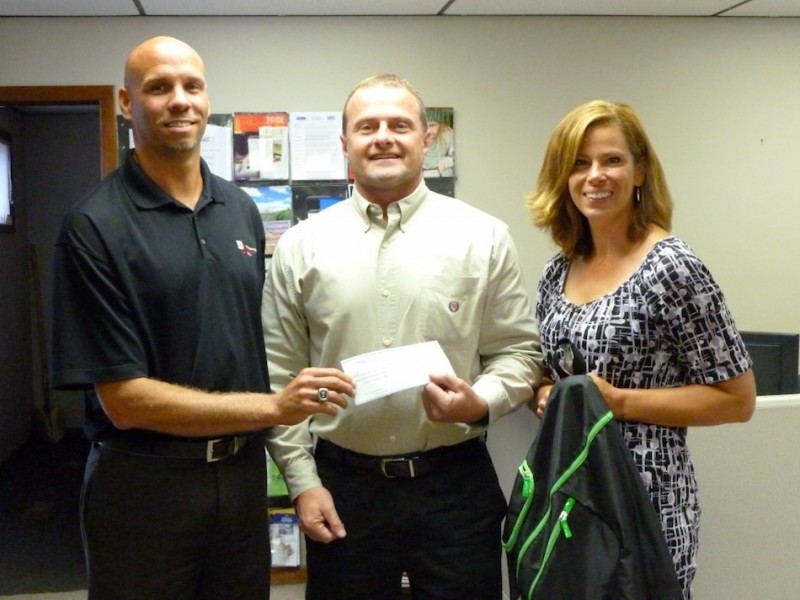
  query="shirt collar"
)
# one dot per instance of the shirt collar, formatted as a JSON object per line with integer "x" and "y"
{"x": 146, "y": 194}
{"x": 406, "y": 207}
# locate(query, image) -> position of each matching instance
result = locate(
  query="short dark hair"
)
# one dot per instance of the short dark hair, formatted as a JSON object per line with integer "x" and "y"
{"x": 386, "y": 80}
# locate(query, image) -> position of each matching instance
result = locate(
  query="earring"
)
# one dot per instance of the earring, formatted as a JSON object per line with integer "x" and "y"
{"x": 637, "y": 194}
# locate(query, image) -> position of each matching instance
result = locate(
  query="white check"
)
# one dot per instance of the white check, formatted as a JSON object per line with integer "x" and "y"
{"x": 383, "y": 372}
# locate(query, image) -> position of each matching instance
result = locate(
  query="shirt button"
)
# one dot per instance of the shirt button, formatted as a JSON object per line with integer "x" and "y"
{"x": 392, "y": 438}
{"x": 385, "y": 293}
{"x": 387, "y": 341}
{"x": 203, "y": 242}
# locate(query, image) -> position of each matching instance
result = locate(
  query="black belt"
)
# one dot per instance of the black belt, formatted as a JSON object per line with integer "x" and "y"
{"x": 416, "y": 464}
{"x": 207, "y": 450}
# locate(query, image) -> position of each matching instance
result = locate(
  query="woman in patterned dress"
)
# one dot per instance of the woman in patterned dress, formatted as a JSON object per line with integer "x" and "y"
{"x": 638, "y": 305}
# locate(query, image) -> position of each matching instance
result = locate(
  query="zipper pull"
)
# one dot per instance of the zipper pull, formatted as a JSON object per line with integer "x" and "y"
{"x": 527, "y": 479}
{"x": 562, "y": 518}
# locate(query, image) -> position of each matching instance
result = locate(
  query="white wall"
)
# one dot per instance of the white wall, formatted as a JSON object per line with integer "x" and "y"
{"x": 718, "y": 96}
{"x": 749, "y": 488}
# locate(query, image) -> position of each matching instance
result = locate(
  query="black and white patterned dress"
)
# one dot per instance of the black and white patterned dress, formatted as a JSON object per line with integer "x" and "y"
{"x": 666, "y": 326}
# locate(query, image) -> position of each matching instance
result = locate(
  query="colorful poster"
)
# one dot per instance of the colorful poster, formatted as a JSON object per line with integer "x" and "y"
{"x": 441, "y": 158}
{"x": 274, "y": 202}
{"x": 261, "y": 143}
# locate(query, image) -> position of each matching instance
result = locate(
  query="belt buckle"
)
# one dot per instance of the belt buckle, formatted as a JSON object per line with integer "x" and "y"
{"x": 408, "y": 461}
{"x": 212, "y": 444}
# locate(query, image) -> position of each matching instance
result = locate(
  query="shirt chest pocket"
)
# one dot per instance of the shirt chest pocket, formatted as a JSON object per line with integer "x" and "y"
{"x": 450, "y": 311}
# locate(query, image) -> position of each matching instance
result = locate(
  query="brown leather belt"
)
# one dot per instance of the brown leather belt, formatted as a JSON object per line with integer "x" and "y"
{"x": 417, "y": 464}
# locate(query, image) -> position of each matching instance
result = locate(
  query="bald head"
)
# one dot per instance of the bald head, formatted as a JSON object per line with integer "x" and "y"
{"x": 156, "y": 50}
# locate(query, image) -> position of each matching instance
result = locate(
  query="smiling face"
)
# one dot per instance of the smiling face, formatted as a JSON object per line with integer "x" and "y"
{"x": 165, "y": 97}
{"x": 385, "y": 142}
{"x": 603, "y": 178}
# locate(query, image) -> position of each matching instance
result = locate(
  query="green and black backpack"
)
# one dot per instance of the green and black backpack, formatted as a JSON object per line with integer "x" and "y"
{"x": 580, "y": 523}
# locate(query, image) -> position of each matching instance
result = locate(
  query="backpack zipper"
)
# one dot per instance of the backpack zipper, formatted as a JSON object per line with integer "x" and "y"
{"x": 528, "y": 486}
{"x": 554, "y": 535}
{"x": 579, "y": 460}
{"x": 562, "y": 518}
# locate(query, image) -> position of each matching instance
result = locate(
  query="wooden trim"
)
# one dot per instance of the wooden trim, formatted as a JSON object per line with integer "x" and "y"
{"x": 285, "y": 575}
{"x": 103, "y": 95}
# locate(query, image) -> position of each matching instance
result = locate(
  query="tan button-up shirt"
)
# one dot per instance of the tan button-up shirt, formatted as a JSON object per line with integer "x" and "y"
{"x": 346, "y": 282}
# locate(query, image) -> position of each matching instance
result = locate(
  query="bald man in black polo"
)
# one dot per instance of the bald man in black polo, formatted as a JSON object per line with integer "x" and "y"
{"x": 157, "y": 298}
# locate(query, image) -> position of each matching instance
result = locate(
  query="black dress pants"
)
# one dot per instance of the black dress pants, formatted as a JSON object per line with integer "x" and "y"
{"x": 174, "y": 528}
{"x": 442, "y": 530}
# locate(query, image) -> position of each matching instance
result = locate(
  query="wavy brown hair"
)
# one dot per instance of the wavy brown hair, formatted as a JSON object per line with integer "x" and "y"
{"x": 550, "y": 204}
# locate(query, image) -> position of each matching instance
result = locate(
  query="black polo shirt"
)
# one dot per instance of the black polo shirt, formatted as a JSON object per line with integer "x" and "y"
{"x": 146, "y": 287}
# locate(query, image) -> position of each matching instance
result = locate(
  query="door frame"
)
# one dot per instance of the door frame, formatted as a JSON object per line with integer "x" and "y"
{"x": 102, "y": 95}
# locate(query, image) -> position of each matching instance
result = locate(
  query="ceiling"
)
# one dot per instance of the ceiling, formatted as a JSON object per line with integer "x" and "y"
{"x": 156, "y": 8}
